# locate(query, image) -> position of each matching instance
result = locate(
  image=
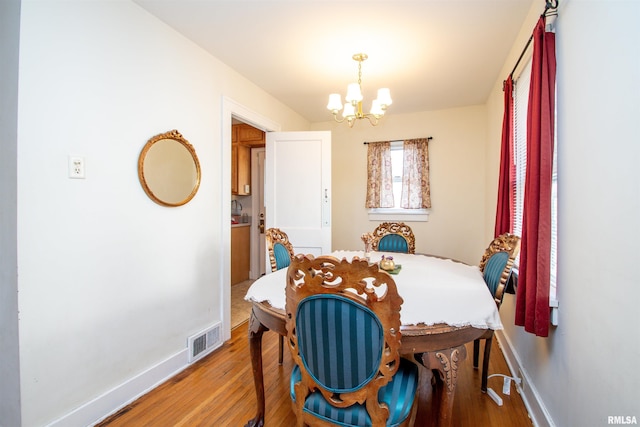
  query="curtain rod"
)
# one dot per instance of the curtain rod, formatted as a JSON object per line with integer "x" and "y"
{"x": 429, "y": 138}
{"x": 549, "y": 4}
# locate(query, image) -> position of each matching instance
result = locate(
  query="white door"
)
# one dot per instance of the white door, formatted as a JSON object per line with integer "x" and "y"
{"x": 298, "y": 188}
{"x": 260, "y": 154}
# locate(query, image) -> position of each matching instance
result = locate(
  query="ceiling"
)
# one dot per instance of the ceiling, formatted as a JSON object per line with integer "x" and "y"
{"x": 431, "y": 54}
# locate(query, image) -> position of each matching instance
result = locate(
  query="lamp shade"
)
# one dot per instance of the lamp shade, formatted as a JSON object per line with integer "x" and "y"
{"x": 354, "y": 95}
{"x": 335, "y": 102}
{"x": 384, "y": 97}
{"x": 376, "y": 108}
{"x": 349, "y": 110}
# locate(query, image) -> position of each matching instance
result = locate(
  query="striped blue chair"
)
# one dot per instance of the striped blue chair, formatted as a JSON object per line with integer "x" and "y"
{"x": 394, "y": 237}
{"x": 496, "y": 266}
{"x": 344, "y": 339}
{"x": 280, "y": 253}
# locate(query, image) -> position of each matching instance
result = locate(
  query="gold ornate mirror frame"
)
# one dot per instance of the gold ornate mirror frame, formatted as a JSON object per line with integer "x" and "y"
{"x": 169, "y": 169}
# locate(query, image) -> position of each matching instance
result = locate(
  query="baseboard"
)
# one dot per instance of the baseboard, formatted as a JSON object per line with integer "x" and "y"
{"x": 538, "y": 413}
{"x": 112, "y": 401}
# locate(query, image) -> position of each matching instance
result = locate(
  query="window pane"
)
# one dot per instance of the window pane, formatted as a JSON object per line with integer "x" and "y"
{"x": 396, "y": 170}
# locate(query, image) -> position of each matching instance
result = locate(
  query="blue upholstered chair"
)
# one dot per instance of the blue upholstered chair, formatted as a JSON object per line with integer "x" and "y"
{"x": 280, "y": 254}
{"x": 496, "y": 266}
{"x": 394, "y": 237}
{"x": 279, "y": 248}
{"x": 344, "y": 339}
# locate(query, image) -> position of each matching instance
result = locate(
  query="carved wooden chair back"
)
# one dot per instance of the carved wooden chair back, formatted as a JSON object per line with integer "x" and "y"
{"x": 394, "y": 237}
{"x": 280, "y": 253}
{"x": 497, "y": 263}
{"x": 343, "y": 330}
{"x": 496, "y": 266}
{"x": 279, "y": 248}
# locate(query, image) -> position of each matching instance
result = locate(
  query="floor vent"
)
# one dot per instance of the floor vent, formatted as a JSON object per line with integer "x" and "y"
{"x": 203, "y": 343}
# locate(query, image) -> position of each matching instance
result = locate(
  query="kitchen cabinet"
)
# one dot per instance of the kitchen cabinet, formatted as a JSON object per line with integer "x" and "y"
{"x": 250, "y": 136}
{"x": 240, "y": 170}
{"x": 244, "y": 137}
{"x": 240, "y": 250}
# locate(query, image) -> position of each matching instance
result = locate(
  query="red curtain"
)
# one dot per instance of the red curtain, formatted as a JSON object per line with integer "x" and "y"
{"x": 532, "y": 300}
{"x": 504, "y": 210}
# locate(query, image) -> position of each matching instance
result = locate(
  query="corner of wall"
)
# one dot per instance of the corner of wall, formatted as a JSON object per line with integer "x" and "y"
{"x": 538, "y": 413}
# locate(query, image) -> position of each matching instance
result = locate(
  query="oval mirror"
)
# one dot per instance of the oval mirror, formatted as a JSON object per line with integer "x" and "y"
{"x": 169, "y": 170}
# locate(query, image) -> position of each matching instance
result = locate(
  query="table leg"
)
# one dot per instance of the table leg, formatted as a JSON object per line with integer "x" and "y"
{"x": 446, "y": 363}
{"x": 256, "y": 329}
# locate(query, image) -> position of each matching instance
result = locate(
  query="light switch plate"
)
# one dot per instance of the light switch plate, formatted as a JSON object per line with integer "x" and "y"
{"x": 76, "y": 167}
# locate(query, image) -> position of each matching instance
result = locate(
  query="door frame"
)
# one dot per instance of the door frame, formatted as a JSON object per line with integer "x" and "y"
{"x": 258, "y": 254}
{"x": 231, "y": 108}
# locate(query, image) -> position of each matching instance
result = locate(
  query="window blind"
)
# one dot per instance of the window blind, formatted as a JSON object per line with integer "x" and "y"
{"x": 520, "y": 107}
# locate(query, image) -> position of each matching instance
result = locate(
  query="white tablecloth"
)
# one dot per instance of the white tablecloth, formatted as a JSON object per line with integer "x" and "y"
{"x": 434, "y": 291}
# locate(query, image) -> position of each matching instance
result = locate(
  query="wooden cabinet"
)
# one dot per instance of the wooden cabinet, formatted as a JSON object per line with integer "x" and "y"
{"x": 240, "y": 245}
{"x": 243, "y": 170}
{"x": 234, "y": 169}
{"x": 244, "y": 137}
{"x": 248, "y": 135}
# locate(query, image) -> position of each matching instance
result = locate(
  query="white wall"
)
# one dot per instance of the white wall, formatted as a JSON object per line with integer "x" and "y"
{"x": 456, "y": 157}
{"x": 9, "y": 353}
{"x": 112, "y": 284}
{"x": 586, "y": 370}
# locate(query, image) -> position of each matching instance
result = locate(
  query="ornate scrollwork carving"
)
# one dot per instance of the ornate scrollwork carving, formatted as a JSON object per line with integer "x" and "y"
{"x": 273, "y": 236}
{"x": 510, "y": 244}
{"x": 358, "y": 281}
{"x": 449, "y": 368}
{"x": 399, "y": 228}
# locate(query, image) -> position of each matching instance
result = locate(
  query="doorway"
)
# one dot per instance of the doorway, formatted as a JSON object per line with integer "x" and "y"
{"x": 231, "y": 110}
{"x": 247, "y": 214}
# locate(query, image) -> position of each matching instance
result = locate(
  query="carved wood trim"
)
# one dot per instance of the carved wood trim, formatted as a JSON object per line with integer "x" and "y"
{"x": 509, "y": 243}
{"x": 356, "y": 280}
{"x": 399, "y": 228}
{"x": 273, "y": 236}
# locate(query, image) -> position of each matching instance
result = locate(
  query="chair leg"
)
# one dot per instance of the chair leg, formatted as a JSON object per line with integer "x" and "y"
{"x": 476, "y": 352}
{"x": 485, "y": 363}
{"x": 280, "y": 349}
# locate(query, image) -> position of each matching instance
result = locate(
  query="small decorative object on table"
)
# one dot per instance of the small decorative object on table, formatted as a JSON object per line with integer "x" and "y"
{"x": 367, "y": 238}
{"x": 387, "y": 263}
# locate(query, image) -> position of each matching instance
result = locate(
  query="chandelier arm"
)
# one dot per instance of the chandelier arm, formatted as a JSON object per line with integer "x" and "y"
{"x": 373, "y": 120}
{"x": 335, "y": 117}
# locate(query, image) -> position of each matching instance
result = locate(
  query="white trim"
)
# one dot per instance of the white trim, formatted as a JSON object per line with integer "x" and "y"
{"x": 122, "y": 395}
{"x": 538, "y": 413}
{"x": 231, "y": 108}
{"x": 402, "y": 215}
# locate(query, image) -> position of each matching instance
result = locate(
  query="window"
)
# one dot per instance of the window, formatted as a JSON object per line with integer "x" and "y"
{"x": 520, "y": 106}
{"x": 396, "y": 172}
{"x": 397, "y": 213}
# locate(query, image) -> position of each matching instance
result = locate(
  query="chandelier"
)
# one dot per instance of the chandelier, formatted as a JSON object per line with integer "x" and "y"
{"x": 353, "y": 107}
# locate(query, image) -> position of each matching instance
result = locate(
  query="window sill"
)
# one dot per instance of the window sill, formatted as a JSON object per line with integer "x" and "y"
{"x": 400, "y": 215}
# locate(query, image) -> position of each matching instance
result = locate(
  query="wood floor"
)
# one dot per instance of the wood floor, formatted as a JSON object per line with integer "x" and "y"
{"x": 240, "y": 309}
{"x": 218, "y": 391}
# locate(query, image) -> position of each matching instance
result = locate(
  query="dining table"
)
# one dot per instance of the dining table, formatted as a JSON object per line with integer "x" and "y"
{"x": 446, "y": 304}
